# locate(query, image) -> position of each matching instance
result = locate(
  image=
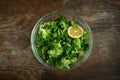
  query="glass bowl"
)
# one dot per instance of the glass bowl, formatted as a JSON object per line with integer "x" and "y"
{"x": 69, "y": 15}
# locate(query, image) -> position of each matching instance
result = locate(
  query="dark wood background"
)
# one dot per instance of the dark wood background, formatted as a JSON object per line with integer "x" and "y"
{"x": 17, "y": 18}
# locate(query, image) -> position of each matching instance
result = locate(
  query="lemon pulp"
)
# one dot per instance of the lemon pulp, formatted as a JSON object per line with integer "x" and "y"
{"x": 75, "y": 32}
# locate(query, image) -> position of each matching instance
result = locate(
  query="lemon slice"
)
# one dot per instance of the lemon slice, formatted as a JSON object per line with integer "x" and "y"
{"x": 75, "y": 31}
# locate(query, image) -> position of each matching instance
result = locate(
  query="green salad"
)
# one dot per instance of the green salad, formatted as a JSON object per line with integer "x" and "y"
{"x": 56, "y": 47}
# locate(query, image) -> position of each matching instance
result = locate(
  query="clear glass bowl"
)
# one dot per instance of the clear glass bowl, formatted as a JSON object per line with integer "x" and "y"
{"x": 69, "y": 15}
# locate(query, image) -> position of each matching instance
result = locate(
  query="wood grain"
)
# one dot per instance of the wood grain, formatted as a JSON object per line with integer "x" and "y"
{"x": 17, "y": 18}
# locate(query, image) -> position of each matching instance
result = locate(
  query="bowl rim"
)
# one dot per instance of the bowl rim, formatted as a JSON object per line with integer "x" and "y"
{"x": 37, "y": 56}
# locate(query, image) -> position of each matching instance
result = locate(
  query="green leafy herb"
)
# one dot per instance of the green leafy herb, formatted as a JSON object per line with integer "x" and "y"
{"x": 55, "y": 46}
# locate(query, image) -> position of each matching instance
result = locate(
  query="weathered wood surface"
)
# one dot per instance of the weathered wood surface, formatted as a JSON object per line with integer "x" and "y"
{"x": 17, "y": 18}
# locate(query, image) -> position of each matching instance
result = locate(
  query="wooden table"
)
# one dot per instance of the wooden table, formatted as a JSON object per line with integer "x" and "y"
{"x": 17, "y": 18}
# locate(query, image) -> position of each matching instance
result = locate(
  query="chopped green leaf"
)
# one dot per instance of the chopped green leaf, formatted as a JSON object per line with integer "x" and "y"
{"x": 55, "y": 46}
